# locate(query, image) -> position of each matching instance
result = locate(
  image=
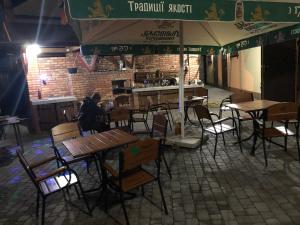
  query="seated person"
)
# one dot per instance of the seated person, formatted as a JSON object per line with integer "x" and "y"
{"x": 92, "y": 117}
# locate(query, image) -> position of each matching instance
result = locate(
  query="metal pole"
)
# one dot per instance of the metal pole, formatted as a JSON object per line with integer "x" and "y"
{"x": 181, "y": 78}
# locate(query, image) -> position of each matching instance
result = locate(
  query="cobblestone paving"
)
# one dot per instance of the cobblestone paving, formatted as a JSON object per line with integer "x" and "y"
{"x": 233, "y": 189}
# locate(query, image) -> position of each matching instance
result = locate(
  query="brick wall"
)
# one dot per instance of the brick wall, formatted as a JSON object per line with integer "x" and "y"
{"x": 60, "y": 83}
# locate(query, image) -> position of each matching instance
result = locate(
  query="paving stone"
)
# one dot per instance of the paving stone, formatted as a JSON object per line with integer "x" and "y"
{"x": 234, "y": 189}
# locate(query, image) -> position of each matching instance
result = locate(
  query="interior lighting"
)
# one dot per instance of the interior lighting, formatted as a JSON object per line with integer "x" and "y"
{"x": 33, "y": 50}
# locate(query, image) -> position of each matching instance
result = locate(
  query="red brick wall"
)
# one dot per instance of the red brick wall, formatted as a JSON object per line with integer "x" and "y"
{"x": 61, "y": 83}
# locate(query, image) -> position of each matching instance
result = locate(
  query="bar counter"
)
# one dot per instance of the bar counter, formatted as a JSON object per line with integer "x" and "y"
{"x": 163, "y": 88}
{"x": 48, "y": 112}
{"x": 164, "y": 94}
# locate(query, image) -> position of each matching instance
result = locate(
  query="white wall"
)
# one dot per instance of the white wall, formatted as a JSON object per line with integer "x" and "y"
{"x": 244, "y": 71}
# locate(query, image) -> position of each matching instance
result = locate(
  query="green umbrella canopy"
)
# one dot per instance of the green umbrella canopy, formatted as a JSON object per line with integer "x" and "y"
{"x": 150, "y": 27}
{"x": 114, "y": 27}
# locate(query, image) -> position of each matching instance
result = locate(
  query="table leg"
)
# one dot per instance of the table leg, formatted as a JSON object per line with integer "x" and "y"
{"x": 19, "y": 136}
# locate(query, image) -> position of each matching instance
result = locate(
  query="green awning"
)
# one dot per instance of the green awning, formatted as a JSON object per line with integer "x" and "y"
{"x": 119, "y": 49}
{"x": 198, "y": 10}
{"x": 269, "y": 11}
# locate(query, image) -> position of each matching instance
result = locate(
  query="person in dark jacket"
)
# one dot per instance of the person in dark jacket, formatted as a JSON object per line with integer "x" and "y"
{"x": 92, "y": 117}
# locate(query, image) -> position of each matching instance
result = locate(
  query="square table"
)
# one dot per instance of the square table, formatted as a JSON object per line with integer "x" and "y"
{"x": 99, "y": 142}
{"x": 253, "y": 108}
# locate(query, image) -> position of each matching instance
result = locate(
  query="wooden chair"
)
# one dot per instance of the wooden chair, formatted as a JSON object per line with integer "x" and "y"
{"x": 164, "y": 108}
{"x": 281, "y": 112}
{"x": 140, "y": 115}
{"x": 159, "y": 131}
{"x": 202, "y": 92}
{"x": 217, "y": 127}
{"x": 122, "y": 118}
{"x": 122, "y": 101}
{"x": 238, "y": 98}
{"x": 129, "y": 173}
{"x": 51, "y": 182}
{"x": 66, "y": 131}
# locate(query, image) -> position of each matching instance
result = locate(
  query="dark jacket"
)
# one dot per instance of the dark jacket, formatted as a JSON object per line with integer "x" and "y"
{"x": 90, "y": 115}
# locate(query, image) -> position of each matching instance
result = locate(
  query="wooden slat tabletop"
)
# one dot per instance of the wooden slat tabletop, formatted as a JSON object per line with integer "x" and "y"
{"x": 98, "y": 142}
{"x": 252, "y": 106}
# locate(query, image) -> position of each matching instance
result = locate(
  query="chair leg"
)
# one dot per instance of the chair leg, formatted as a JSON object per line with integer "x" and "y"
{"x": 254, "y": 143}
{"x": 216, "y": 142}
{"x": 147, "y": 127}
{"x": 76, "y": 190}
{"x": 162, "y": 196}
{"x": 167, "y": 112}
{"x": 123, "y": 207}
{"x": 87, "y": 166}
{"x": 240, "y": 129}
{"x": 297, "y": 141}
{"x": 223, "y": 139}
{"x": 201, "y": 140}
{"x": 84, "y": 198}
{"x": 143, "y": 190}
{"x": 171, "y": 115}
{"x": 37, "y": 204}
{"x": 265, "y": 153}
{"x": 167, "y": 166}
{"x": 97, "y": 168}
{"x": 285, "y": 143}
{"x": 43, "y": 209}
{"x": 239, "y": 140}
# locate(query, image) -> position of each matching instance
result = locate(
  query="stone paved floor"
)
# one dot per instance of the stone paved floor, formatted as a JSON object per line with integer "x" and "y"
{"x": 233, "y": 189}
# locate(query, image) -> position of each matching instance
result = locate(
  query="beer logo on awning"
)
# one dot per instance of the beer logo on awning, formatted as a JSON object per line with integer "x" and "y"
{"x": 165, "y": 32}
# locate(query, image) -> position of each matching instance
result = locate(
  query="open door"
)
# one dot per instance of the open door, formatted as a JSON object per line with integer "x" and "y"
{"x": 279, "y": 71}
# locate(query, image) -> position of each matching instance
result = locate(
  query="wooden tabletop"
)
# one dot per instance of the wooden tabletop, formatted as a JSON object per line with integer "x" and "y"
{"x": 252, "y": 106}
{"x": 98, "y": 142}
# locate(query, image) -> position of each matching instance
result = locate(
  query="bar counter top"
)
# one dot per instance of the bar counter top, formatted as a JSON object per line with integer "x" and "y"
{"x": 162, "y": 88}
{"x": 51, "y": 100}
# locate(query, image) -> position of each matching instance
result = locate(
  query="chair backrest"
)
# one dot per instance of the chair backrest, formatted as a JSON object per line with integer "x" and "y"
{"x": 159, "y": 125}
{"x": 152, "y": 99}
{"x": 241, "y": 97}
{"x": 139, "y": 153}
{"x": 202, "y": 112}
{"x": 283, "y": 111}
{"x": 122, "y": 100}
{"x": 201, "y": 91}
{"x": 69, "y": 115}
{"x": 64, "y": 132}
{"x": 119, "y": 114}
{"x": 26, "y": 166}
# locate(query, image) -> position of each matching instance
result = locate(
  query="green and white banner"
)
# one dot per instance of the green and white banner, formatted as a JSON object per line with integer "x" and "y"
{"x": 119, "y": 49}
{"x": 198, "y": 10}
{"x": 272, "y": 37}
{"x": 271, "y": 11}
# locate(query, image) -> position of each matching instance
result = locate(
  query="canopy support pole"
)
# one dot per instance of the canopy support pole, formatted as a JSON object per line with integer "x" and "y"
{"x": 181, "y": 79}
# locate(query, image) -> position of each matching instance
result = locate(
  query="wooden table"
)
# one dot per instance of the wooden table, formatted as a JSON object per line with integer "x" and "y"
{"x": 99, "y": 142}
{"x": 253, "y": 108}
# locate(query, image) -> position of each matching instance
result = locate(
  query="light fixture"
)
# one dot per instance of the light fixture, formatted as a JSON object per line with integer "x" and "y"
{"x": 33, "y": 50}
{"x": 43, "y": 79}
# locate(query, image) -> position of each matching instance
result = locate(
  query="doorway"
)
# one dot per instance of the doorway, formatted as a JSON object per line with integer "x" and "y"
{"x": 279, "y": 71}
